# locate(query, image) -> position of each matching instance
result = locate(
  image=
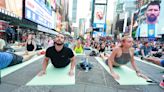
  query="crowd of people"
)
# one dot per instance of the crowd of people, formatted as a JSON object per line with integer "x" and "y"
{"x": 113, "y": 53}
{"x": 61, "y": 52}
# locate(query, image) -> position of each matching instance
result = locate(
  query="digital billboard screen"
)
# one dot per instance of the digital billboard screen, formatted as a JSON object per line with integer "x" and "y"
{"x": 38, "y": 12}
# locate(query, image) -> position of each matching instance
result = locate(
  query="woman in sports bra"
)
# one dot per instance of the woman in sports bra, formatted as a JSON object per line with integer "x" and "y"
{"x": 30, "y": 43}
{"x": 121, "y": 55}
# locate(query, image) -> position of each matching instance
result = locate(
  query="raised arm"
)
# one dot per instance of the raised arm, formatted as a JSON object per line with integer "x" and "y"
{"x": 132, "y": 61}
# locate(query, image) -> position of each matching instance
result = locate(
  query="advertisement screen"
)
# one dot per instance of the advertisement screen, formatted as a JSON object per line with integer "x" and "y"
{"x": 14, "y": 6}
{"x": 99, "y": 34}
{"x": 99, "y": 14}
{"x": 38, "y": 12}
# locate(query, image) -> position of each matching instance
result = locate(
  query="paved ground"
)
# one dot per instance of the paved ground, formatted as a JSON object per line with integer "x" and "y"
{"x": 96, "y": 80}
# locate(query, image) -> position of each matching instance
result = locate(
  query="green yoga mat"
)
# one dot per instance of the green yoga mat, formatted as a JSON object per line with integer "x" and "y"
{"x": 79, "y": 54}
{"x": 11, "y": 69}
{"x": 54, "y": 76}
{"x": 127, "y": 75}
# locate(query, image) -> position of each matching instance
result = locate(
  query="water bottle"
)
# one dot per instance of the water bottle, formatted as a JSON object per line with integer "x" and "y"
{"x": 86, "y": 64}
{"x": 87, "y": 69}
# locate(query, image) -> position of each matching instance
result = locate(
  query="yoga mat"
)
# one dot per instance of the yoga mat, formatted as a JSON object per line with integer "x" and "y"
{"x": 79, "y": 54}
{"x": 11, "y": 69}
{"x": 127, "y": 75}
{"x": 54, "y": 76}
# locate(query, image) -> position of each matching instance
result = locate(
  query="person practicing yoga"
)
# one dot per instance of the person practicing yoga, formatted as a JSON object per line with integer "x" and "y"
{"x": 79, "y": 46}
{"x": 156, "y": 61}
{"x": 60, "y": 56}
{"x": 9, "y": 59}
{"x": 121, "y": 55}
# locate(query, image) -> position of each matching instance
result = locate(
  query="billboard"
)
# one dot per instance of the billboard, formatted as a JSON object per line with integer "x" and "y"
{"x": 13, "y": 6}
{"x": 150, "y": 27}
{"x": 38, "y": 12}
{"x": 99, "y": 16}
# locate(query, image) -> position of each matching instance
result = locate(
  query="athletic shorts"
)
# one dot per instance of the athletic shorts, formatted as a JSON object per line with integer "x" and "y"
{"x": 16, "y": 59}
{"x": 162, "y": 63}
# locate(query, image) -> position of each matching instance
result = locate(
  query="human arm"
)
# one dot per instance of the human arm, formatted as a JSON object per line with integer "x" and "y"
{"x": 135, "y": 66}
{"x": 111, "y": 63}
{"x": 133, "y": 61}
{"x": 44, "y": 66}
{"x": 45, "y": 63}
{"x": 71, "y": 72}
{"x": 142, "y": 51}
{"x": 26, "y": 45}
{"x": 34, "y": 43}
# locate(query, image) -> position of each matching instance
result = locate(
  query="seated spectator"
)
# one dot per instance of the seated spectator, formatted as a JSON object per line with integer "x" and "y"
{"x": 30, "y": 43}
{"x": 146, "y": 50}
{"x": 79, "y": 46}
{"x": 102, "y": 47}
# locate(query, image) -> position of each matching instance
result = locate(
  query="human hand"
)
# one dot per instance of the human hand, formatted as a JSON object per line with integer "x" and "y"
{"x": 71, "y": 73}
{"x": 139, "y": 74}
{"x": 115, "y": 76}
{"x": 41, "y": 73}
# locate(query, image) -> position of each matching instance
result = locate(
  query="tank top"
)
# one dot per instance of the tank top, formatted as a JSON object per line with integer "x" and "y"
{"x": 79, "y": 49}
{"x": 30, "y": 47}
{"x": 123, "y": 59}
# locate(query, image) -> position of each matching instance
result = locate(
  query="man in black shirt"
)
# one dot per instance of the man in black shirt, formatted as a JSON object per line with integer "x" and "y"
{"x": 59, "y": 55}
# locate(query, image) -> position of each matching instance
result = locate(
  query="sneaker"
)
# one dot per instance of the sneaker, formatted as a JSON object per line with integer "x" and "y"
{"x": 161, "y": 84}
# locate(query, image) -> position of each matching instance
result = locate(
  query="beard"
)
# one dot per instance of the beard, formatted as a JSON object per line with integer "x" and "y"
{"x": 152, "y": 18}
{"x": 59, "y": 44}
